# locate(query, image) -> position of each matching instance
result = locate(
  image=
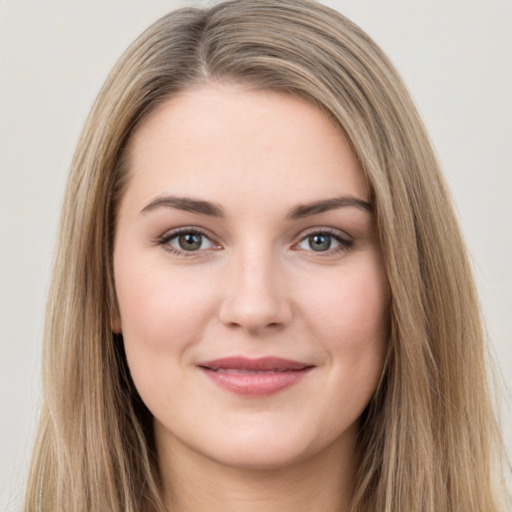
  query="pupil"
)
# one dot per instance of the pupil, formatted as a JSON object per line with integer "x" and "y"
{"x": 320, "y": 242}
{"x": 190, "y": 241}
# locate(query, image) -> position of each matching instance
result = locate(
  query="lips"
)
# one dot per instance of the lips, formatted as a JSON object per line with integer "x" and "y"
{"x": 255, "y": 377}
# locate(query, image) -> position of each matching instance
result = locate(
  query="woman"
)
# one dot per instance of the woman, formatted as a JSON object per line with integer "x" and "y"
{"x": 261, "y": 297}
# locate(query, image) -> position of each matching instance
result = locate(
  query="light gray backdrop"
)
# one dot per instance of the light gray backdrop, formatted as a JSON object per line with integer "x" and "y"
{"x": 455, "y": 56}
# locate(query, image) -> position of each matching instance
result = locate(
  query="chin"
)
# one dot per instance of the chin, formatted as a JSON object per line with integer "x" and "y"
{"x": 274, "y": 449}
{"x": 260, "y": 457}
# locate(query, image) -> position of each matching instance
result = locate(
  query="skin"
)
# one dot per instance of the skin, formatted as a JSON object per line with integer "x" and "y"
{"x": 256, "y": 285}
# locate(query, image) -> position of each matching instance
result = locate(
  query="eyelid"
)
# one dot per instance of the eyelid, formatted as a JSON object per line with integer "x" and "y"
{"x": 346, "y": 241}
{"x": 164, "y": 240}
{"x": 325, "y": 229}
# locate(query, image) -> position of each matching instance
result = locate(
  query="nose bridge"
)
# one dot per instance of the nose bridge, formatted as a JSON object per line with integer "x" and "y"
{"x": 255, "y": 298}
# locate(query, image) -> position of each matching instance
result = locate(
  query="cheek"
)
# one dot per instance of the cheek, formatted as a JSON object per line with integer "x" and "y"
{"x": 350, "y": 321}
{"x": 162, "y": 319}
{"x": 161, "y": 312}
{"x": 353, "y": 307}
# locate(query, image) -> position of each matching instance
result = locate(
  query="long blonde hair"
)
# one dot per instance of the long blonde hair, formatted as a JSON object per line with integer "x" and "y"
{"x": 428, "y": 440}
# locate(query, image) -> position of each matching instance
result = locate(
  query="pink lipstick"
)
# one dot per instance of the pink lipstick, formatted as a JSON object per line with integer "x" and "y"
{"x": 255, "y": 377}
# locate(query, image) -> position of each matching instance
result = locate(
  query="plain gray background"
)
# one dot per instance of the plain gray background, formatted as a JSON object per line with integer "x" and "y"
{"x": 455, "y": 56}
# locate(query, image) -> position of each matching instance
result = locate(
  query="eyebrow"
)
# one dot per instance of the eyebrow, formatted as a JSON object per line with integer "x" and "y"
{"x": 201, "y": 207}
{"x": 187, "y": 204}
{"x": 325, "y": 205}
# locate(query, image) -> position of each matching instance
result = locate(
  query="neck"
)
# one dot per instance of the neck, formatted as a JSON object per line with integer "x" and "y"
{"x": 194, "y": 483}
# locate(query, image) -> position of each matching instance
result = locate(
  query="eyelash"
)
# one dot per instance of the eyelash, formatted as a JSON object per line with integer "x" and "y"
{"x": 345, "y": 244}
{"x": 166, "y": 238}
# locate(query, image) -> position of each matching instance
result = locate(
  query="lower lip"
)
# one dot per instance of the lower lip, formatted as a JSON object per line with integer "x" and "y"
{"x": 256, "y": 384}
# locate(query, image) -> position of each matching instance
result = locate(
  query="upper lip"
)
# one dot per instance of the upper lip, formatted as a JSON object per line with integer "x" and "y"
{"x": 257, "y": 364}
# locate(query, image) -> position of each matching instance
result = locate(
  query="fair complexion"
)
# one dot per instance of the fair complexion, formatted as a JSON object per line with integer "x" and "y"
{"x": 245, "y": 232}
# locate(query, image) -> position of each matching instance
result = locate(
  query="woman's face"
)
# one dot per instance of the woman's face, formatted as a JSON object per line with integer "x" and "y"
{"x": 252, "y": 297}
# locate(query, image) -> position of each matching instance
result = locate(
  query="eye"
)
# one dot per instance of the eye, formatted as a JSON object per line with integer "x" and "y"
{"x": 318, "y": 242}
{"x": 324, "y": 242}
{"x": 187, "y": 241}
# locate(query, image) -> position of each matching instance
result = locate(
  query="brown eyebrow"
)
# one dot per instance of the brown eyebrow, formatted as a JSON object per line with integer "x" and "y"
{"x": 184, "y": 203}
{"x": 305, "y": 210}
{"x": 208, "y": 208}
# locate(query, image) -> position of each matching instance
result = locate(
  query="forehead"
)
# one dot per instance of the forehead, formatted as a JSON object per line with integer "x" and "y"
{"x": 219, "y": 140}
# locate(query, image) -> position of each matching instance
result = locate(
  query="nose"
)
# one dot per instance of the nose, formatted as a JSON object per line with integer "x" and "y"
{"x": 255, "y": 298}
